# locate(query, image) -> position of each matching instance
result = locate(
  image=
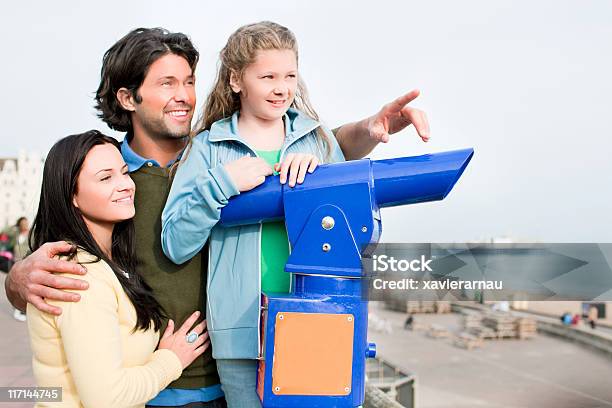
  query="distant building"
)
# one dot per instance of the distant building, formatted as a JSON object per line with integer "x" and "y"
{"x": 20, "y": 181}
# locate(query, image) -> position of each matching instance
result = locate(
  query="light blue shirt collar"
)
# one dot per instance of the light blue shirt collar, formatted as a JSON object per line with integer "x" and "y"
{"x": 135, "y": 161}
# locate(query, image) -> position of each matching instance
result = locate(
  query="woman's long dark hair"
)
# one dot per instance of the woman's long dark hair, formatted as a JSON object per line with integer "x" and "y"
{"x": 59, "y": 220}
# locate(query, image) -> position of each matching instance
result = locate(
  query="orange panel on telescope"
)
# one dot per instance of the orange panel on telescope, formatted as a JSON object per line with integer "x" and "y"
{"x": 313, "y": 354}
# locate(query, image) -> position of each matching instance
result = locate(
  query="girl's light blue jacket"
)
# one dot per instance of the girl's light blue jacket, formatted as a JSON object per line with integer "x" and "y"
{"x": 201, "y": 188}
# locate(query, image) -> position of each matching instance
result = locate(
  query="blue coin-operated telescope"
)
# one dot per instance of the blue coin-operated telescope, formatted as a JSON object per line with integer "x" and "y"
{"x": 314, "y": 339}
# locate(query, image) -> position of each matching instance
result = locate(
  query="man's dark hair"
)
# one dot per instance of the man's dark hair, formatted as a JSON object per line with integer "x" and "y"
{"x": 126, "y": 64}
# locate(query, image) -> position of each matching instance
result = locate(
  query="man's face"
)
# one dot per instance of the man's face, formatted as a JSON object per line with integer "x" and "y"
{"x": 167, "y": 97}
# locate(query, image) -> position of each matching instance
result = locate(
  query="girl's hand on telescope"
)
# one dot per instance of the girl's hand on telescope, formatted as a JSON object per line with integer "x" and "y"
{"x": 295, "y": 167}
{"x": 248, "y": 172}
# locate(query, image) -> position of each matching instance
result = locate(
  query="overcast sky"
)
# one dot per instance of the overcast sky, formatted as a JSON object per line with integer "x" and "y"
{"x": 527, "y": 84}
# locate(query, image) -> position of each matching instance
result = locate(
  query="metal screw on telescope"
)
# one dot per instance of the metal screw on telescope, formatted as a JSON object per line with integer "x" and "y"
{"x": 328, "y": 223}
{"x": 326, "y": 247}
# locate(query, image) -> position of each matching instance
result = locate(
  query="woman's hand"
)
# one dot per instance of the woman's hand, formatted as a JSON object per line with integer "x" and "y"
{"x": 178, "y": 344}
{"x": 248, "y": 172}
{"x": 295, "y": 166}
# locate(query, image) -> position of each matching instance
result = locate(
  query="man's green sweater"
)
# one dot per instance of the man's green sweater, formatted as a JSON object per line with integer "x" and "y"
{"x": 180, "y": 289}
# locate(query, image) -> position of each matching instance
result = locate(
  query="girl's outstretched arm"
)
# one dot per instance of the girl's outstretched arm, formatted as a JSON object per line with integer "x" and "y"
{"x": 359, "y": 138}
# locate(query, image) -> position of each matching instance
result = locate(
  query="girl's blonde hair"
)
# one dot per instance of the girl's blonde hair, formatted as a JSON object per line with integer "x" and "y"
{"x": 241, "y": 51}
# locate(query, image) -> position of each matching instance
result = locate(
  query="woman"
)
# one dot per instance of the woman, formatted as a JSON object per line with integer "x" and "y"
{"x": 20, "y": 244}
{"x": 101, "y": 350}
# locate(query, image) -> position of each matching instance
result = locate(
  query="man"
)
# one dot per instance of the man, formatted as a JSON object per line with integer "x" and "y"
{"x": 147, "y": 90}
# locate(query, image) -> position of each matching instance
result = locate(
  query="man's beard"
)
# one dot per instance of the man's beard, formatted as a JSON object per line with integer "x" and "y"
{"x": 157, "y": 129}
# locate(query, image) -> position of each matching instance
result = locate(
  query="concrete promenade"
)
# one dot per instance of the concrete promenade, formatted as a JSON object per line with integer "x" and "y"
{"x": 540, "y": 372}
{"x": 15, "y": 354}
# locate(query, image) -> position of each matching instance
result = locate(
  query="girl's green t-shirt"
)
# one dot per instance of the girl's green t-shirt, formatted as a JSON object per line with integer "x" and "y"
{"x": 274, "y": 245}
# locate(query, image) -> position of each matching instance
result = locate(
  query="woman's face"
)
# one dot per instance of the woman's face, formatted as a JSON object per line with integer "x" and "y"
{"x": 105, "y": 191}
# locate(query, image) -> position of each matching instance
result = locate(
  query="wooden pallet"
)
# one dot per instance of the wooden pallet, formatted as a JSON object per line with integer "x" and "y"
{"x": 506, "y": 334}
{"x": 499, "y": 322}
{"x": 443, "y": 307}
{"x": 525, "y": 335}
{"x": 483, "y": 332}
{"x": 467, "y": 341}
{"x": 413, "y": 306}
{"x": 526, "y": 328}
{"x": 428, "y": 306}
{"x": 471, "y": 320}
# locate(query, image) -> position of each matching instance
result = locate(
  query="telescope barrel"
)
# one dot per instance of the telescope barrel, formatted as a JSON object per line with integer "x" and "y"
{"x": 399, "y": 181}
{"x": 263, "y": 203}
{"x": 418, "y": 179}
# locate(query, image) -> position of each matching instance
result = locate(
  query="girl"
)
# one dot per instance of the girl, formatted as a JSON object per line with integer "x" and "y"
{"x": 270, "y": 119}
{"x": 101, "y": 350}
